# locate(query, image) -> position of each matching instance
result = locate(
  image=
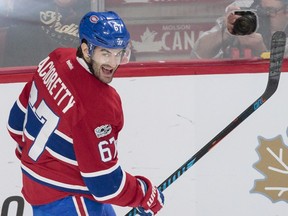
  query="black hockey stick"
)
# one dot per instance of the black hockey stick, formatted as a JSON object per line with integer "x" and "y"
{"x": 276, "y": 58}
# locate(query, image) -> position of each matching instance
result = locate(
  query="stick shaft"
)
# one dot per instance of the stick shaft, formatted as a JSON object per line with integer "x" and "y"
{"x": 276, "y": 58}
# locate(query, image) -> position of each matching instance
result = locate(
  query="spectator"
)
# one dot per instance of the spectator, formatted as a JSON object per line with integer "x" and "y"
{"x": 218, "y": 42}
{"x": 39, "y": 26}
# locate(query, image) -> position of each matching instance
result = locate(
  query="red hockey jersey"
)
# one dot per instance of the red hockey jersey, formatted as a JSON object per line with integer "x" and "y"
{"x": 66, "y": 123}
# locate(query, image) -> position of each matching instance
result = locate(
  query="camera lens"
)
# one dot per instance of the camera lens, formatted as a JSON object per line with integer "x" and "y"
{"x": 246, "y": 24}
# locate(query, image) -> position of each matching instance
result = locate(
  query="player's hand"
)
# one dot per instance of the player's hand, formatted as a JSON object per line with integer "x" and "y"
{"x": 153, "y": 199}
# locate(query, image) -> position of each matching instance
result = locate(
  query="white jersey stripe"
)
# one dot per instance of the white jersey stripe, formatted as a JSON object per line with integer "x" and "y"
{"x": 17, "y": 132}
{"x": 100, "y": 173}
{"x": 30, "y": 137}
{"x": 53, "y": 182}
{"x": 62, "y": 158}
{"x": 21, "y": 107}
{"x": 84, "y": 206}
{"x": 64, "y": 136}
{"x": 76, "y": 206}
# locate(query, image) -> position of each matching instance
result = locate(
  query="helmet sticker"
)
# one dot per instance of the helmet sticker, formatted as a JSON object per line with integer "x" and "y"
{"x": 94, "y": 19}
{"x": 119, "y": 41}
{"x": 116, "y": 25}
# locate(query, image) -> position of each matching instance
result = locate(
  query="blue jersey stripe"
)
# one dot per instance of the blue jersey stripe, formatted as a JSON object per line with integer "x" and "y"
{"x": 61, "y": 146}
{"x": 16, "y": 119}
{"x": 105, "y": 185}
{"x": 33, "y": 125}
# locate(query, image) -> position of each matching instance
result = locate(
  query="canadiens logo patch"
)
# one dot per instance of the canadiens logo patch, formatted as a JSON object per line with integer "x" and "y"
{"x": 103, "y": 130}
{"x": 94, "y": 19}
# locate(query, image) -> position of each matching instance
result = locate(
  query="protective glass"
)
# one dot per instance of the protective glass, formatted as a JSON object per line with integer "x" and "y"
{"x": 270, "y": 11}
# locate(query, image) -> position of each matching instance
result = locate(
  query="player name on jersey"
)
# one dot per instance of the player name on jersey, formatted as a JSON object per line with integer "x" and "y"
{"x": 54, "y": 84}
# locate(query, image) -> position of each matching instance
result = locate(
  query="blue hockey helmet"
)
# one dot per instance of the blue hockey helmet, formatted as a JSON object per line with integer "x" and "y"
{"x": 104, "y": 29}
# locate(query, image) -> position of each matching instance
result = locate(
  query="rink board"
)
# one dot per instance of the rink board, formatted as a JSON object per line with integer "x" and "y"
{"x": 169, "y": 115}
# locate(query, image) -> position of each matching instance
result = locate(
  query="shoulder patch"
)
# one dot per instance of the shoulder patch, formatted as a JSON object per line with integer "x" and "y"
{"x": 103, "y": 130}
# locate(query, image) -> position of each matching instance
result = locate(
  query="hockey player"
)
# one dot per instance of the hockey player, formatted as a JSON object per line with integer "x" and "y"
{"x": 66, "y": 123}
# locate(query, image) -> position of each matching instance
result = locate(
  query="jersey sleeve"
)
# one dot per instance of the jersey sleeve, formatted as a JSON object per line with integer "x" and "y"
{"x": 16, "y": 118}
{"x": 96, "y": 151}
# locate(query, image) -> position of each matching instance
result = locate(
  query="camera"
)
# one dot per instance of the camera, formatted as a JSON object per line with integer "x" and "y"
{"x": 246, "y": 24}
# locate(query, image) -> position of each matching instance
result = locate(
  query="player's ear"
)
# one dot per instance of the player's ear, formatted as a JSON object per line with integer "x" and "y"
{"x": 85, "y": 51}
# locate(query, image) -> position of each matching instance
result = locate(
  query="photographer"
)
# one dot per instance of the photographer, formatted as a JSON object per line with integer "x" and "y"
{"x": 222, "y": 42}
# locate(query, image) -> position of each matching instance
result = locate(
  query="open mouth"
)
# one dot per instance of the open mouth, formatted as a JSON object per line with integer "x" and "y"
{"x": 107, "y": 71}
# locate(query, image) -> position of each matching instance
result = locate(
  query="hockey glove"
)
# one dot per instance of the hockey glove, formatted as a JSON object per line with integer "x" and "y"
{"x": 153, "y": 199}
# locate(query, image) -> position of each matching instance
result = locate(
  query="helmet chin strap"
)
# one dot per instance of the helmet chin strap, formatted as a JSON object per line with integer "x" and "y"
{"x": 91, "y": 49}
{"x": 90, "y": 64}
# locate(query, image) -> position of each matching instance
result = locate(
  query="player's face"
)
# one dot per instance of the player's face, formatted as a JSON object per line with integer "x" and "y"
{"x": 276, "y": 10}
{"x": 105, "y": 63}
